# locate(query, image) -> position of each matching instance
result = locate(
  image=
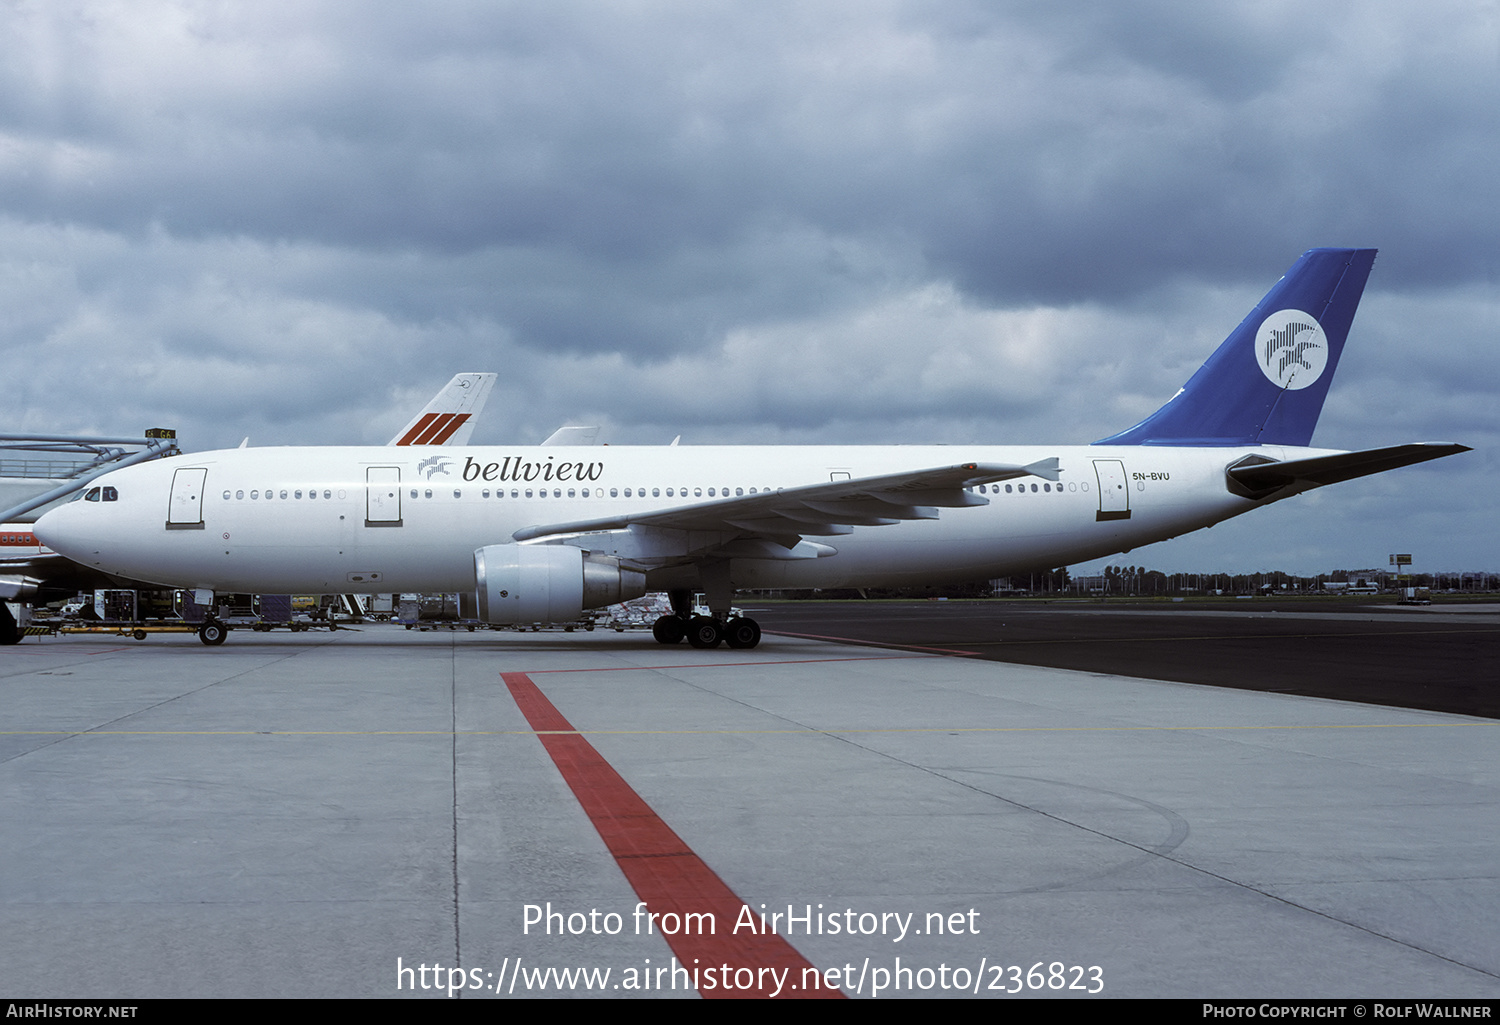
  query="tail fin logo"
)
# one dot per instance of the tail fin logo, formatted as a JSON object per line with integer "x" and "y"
{"x": 1291, "y": 349}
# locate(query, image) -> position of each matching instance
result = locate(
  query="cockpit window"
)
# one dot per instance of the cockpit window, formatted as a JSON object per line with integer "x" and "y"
{"x": 92, "y": 495}
{"x": 111, "y": 495}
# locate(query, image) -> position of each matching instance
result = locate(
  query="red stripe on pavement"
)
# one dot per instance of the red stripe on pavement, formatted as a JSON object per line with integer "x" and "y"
{"x": 662, "y": 869}
{"x": 722, "y": 665}
{"x": 872, "y": 644}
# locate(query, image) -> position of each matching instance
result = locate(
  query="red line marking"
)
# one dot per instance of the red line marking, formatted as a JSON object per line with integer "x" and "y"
{"x": 716, "y": 665}
{"x": 873, "y": 644}
{"x": 661, "y": 868}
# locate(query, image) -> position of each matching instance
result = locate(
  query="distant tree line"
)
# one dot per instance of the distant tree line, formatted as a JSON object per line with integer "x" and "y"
{"x": 1141, "y": 582}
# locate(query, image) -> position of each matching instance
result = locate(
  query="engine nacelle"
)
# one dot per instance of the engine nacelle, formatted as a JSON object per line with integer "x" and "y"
{"x": 548, "y": 583}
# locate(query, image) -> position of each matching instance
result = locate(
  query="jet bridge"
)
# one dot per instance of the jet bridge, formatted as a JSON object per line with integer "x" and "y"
{"x": 37, "y": 470}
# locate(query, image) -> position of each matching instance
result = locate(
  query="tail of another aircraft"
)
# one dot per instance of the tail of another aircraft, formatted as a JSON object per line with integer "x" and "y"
{"x": 1266, "y": 383}
{"x": 449, "y": 418}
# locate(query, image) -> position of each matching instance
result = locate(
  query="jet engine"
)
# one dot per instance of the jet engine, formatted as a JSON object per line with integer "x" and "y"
{"x": 548, "y": 583}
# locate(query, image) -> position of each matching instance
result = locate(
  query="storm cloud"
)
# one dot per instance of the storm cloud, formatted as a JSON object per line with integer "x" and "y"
{"x": 949, "y": 222}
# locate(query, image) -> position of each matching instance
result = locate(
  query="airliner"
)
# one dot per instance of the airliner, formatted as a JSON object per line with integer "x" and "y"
{"x": 540, "y": 534}
{"x": 31, "y": 571}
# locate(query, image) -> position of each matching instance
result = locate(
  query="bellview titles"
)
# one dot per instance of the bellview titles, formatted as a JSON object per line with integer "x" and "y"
{"x": 540, "y": 534}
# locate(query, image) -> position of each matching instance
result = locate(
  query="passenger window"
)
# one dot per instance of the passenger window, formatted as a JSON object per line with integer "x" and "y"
{"x": 226, "y": 496}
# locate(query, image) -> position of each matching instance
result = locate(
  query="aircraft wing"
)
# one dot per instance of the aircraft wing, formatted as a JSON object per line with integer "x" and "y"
{"x": 449, "y": 418}
{"x": 756, "y": 526}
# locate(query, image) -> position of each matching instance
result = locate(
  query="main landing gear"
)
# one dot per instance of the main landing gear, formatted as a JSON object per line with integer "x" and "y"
{"x": 704, "y": 631}
{"x": 707, "y": 632}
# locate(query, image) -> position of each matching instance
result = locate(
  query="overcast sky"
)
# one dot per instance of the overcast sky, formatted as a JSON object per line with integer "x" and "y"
{"x": 946, "y": 221}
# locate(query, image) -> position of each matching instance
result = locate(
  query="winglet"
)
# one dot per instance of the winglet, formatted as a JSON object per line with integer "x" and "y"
{"x": 449, "y": 417}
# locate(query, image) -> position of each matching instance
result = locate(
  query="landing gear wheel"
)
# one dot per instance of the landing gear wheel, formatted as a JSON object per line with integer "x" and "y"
{"x": 668, "y": 630}
{"x": 704, "y": 632}
{"x": 212, "y": 633}
{"x": 139, "y": 635}
{"x": 742, "y": 632}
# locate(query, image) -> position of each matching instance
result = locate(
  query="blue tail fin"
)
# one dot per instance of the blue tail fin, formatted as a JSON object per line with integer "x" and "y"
{"x": 1265, "y": 385}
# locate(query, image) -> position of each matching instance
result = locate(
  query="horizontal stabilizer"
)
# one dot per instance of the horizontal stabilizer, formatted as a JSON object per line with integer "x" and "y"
{"x": 1261, "y": 478}
{"x": 573, "y": 436}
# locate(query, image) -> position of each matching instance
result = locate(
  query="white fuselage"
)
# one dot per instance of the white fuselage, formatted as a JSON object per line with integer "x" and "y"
{"x": 322, "y": 520}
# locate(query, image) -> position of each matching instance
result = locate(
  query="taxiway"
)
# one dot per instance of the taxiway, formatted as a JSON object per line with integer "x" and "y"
{"x": 307, "y": 815}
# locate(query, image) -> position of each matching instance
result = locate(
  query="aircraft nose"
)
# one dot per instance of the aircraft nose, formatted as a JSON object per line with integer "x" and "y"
{"x": 52, "y": 530}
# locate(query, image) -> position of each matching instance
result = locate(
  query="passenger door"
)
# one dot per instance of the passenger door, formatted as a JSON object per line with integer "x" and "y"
{"x": 185, "y": 509}
{"x": 382, "y": 496}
